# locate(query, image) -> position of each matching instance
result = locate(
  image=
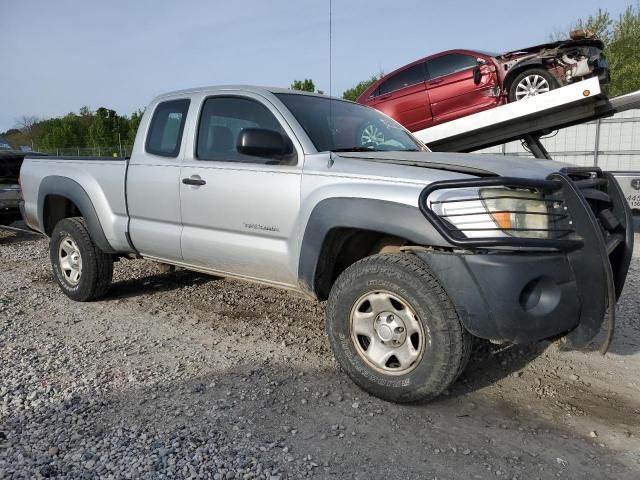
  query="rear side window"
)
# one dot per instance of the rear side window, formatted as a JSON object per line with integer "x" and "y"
{"x": 165, "y": 133}
{"x": 406, "y": 78}
{"x": 448, "y": 64}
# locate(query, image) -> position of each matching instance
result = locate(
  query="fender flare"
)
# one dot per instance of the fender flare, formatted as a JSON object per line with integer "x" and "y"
{"x": 381, "y": 216}
{"x": 73, "y": 191}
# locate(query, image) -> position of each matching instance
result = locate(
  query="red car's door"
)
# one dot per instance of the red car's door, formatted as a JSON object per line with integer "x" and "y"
{"x": 453, "y": 92}
{"x": 404, "y": 98}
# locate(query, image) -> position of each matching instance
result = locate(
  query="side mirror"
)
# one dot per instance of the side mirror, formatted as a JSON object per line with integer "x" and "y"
{"x": 477, "y": 75}
{"x": 260, "y": 142}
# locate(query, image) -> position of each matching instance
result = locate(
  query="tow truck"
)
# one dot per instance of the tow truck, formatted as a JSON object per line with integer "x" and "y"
{"x": 530, "y": 120}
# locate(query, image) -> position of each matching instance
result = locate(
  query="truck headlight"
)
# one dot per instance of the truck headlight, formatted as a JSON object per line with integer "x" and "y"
{"x": 518, "y": 213}
{"x": 493, "y": 212}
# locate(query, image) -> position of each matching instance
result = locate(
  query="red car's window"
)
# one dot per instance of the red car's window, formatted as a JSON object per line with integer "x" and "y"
{"x": 448, "y": 64}
{"x": 406, "y": 78}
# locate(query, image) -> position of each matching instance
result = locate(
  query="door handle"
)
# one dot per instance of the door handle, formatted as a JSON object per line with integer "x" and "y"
{"x": 198, "y": 182}
{"x": 435, "y": 82}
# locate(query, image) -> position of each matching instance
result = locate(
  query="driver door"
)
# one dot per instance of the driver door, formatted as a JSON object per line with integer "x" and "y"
{"x": 453, "y": 92}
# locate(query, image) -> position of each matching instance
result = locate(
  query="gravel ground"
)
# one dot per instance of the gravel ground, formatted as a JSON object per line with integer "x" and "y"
{"x": 180, "y": 375}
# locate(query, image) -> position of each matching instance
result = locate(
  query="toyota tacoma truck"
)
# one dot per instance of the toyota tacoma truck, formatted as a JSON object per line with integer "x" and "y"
{"x": 416, "y": 253}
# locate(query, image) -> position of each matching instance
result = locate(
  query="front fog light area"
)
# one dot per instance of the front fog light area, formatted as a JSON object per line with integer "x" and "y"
{"x": 519, "y": 213}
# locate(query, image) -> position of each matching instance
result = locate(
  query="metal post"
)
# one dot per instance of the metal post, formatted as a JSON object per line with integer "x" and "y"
{"x": 596, "y": 152}
{"x": 536, "y": 146}
{"x": 504, "y": 149}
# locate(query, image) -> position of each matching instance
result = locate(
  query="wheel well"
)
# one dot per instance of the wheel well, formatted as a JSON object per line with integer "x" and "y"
{"x": 56, "y": 208}
{"x": 508, "y": 81}
{"x": 345, "y": 246}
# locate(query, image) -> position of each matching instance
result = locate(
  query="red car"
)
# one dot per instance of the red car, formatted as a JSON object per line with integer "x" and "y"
{"x": 457, "y": 83}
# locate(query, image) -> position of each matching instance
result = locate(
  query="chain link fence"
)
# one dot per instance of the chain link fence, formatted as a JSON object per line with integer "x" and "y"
{"x": 610, "y": 143}
{"x": 116, "y": 151}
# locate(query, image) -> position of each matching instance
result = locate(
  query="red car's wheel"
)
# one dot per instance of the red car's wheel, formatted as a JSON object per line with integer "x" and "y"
{"x": 531, "y": 83}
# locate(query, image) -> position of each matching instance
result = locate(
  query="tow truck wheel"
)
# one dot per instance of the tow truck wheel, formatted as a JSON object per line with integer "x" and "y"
{"x": 81, "y": 269}
{"x": 531, "y": 83}
{"x": 394, "y": 330}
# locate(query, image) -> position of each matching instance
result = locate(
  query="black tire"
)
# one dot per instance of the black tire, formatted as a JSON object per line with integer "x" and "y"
{"x": 449, "y": 345}
{"x": 97, "y": 267}
{"x": 553, "y": 84}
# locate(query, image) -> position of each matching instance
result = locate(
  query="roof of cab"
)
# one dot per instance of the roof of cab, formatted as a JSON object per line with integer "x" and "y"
{"x": 246, "y": 88}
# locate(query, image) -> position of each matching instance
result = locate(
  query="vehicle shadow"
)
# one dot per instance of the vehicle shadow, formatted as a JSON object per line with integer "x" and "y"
{"x": 157, "y": 283}
{"x": 12, "y": 237}
{"x": 491, "y": 363}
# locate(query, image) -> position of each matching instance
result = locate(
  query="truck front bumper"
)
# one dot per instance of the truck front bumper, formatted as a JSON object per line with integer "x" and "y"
{"x": 530, "y": 293}
{"x": 514, "y": 297}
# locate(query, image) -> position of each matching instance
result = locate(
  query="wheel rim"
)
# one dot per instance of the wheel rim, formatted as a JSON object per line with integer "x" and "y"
{"x": 387, "y": 333}
{"x": 371, "y": 134}
{"x": 532, "y": 85}
{"x": 70, "y": 260}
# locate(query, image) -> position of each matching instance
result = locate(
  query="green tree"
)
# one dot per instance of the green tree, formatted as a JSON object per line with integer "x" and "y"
{"x": 623, "y": 51}
{"x": 108, "y": 129}
{"x": 354, "y": 92}
{"x": 134, "y": 123}
{"x": 305, "y": 85}
{"x": 598, "y": 24}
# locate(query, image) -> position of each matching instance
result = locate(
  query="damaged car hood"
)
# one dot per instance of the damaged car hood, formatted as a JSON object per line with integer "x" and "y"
{"x": 479, "y": 165}
{"x": 554, "y": 45}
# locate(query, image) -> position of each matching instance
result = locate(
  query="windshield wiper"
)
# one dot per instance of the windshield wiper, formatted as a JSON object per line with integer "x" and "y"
{"x": 356, "y": 149}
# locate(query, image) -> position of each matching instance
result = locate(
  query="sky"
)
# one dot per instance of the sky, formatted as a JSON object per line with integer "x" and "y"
{"x": 56, "y": 56}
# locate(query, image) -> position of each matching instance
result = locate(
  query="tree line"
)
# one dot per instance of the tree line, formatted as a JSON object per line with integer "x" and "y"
{"x": 105, "y": 128}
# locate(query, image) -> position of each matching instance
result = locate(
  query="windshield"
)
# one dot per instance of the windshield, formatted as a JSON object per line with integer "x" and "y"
{"x": 340, "y": 126}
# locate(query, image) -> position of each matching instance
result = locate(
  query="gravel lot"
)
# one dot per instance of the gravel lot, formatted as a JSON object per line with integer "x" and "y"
{"x": 179, "y": 375}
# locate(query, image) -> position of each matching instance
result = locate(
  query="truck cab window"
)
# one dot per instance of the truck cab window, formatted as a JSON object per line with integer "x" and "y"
{"x": 222, "y": 121}
{"x": 165, "y": 133}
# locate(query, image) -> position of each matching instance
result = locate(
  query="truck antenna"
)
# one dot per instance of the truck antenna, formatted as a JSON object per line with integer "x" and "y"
{"x": 330, "y": 162}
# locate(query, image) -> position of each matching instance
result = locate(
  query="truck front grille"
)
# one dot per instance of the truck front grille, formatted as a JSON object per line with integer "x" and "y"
{"x": 594, "y": 187}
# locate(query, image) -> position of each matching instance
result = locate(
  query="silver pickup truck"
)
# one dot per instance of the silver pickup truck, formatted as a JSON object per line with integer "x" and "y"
{"x": 415, "y": 252}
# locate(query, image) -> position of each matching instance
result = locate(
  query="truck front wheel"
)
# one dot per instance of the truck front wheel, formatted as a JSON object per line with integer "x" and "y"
{"x": 81, "y": 269}
{"x": 394, "y": 330}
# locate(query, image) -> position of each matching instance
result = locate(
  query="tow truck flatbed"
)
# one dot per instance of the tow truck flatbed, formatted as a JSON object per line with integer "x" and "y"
{"x": 528, "y": 120}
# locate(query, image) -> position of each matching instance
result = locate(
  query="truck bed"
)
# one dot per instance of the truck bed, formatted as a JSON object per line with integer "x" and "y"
{"x": 102, "y": 176}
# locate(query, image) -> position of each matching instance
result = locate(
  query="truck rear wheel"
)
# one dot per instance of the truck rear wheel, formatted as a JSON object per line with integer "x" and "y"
{"x": 81, "y": 269}
{"x": 394, "y": 330}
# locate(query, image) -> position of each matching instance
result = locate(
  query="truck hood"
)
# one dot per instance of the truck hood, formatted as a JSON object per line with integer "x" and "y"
{"x": 480, "y": 165}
